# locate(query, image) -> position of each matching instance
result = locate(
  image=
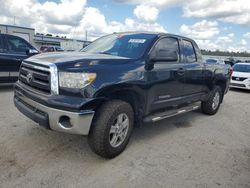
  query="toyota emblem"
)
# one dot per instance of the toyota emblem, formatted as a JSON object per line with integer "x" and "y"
{"x": 29, "y": 77}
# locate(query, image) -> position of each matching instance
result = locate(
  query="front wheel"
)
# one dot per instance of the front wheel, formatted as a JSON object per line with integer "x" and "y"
{"x": 111, "y": 128}
{"x": 212, "y": 105}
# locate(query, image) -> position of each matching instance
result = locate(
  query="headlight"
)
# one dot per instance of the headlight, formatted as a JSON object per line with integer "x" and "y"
{"x": 75, "y": 80}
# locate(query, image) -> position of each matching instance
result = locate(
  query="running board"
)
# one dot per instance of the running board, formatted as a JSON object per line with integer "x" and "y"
{"x": 170, "y": 113}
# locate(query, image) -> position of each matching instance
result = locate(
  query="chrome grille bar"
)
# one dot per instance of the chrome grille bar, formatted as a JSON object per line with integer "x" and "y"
{"x": 44, "y": 77}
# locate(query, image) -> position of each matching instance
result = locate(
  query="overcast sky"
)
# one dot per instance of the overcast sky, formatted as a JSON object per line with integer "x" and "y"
{"x": 214, "y": 24}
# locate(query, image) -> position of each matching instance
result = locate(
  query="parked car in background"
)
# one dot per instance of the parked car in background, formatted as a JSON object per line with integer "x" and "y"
{"x": 51, "y": 49}
{"x": 241, "y": 76}
{"x": 239, "y": 61}
{"x": 13, "y": 50}
{"x": 212, "y": 60}
{"x": 231, "y": 61}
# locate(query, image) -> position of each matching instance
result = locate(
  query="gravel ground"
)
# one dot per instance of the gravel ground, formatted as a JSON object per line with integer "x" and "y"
{"x": 190, "y": 150}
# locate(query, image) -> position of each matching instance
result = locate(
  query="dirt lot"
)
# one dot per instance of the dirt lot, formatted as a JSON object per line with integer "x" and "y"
{"x": 191, "y": 150}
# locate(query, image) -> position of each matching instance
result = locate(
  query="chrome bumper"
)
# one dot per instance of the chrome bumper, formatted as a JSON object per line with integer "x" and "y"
{"x": 76, "y": 122}
{"x": 240, "y": 84}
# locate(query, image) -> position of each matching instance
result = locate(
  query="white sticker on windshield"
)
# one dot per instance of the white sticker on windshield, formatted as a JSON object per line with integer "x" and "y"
{"x": 141, "y": 41}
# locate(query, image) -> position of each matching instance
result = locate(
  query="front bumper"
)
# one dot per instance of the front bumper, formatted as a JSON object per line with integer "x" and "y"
{"x": 240, "y": 84}
{"x": 55, "y": 119}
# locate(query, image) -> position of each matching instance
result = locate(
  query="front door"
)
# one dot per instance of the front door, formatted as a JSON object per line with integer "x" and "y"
{"x": 166, "y": 79}
{"x": 4, "y": 69}
{"x": 17, "y": 52}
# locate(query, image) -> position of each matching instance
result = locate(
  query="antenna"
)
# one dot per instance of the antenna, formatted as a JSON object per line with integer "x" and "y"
{"x": 14, "y": 20}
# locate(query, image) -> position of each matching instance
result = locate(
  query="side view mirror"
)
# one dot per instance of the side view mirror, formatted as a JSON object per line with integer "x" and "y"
{"x": 164, "y": 55}
{"x": 31, "y": 52}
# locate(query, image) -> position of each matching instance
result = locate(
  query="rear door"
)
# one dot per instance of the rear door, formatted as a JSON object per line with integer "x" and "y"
{"x": 166, "y": 79}
{"x": 194, "y": 70}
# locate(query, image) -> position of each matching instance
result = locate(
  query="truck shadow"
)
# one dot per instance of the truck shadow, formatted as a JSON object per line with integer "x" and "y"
{"x": 239, "y": 90}
{"x": 150, "y": 130}
{"x": 57, "y": 145}
{"x": 51, "y": 149}
{"x": 6, "y": 87}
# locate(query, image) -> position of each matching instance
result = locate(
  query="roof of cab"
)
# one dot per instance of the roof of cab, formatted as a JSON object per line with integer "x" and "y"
{"x": 157, "y": 34}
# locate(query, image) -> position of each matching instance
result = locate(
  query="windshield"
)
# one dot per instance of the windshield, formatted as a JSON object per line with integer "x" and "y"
{"x": 241, "y": 68}
{"x": 124, "y": 45}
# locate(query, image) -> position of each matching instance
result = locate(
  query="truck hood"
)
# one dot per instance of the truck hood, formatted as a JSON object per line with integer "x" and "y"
{"x": 77, "y": 59}
{"x": 241, "y": 74}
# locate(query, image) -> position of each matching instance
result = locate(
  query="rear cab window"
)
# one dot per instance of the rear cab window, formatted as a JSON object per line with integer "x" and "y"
{"x": 197, "y": 52}
{"x": 189, "y": 51}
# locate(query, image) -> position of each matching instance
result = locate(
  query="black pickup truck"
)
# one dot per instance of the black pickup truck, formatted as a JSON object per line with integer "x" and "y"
{"x": 13, "y": 50}
{"x": 118, "y": 81}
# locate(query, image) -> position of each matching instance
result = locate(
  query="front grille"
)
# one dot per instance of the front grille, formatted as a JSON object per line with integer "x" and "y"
{"x": 36, "y": 77}
{"x": 237, "y": 85}
{"x": 238, "y": 78}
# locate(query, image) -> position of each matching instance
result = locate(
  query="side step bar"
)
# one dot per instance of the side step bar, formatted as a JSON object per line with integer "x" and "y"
{"x": 170, "y": 113}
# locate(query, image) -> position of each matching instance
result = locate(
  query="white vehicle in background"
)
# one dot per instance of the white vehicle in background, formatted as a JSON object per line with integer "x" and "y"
{"x": 241, "y": 76}
{"x": 213, "y": 60}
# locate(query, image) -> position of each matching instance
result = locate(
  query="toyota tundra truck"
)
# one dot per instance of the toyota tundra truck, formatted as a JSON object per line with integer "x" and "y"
{"x": 119, "y": 81}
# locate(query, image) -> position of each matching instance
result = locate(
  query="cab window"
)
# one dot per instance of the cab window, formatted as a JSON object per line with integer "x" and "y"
{"x": 189, "y": 52}
{"x": 17, "y": 45}
{"x": 2, "y": 48}
{"x": 168, "y": 47}
{"x": 198, "y": 52}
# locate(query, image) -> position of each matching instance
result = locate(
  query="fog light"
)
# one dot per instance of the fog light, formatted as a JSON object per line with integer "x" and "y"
{"x": 64, "y": 122}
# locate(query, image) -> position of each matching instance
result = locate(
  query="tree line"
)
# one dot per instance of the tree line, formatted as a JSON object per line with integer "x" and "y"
{"x": 225, "y": 53}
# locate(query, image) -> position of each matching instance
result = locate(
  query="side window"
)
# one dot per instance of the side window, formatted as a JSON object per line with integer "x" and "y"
{"x": 1, "y": 44}
{"x": 17, "y": 45}
{"x": 168, "y": 48}
{"x": 198, "y": 52}
{"x": 189, "y": 52}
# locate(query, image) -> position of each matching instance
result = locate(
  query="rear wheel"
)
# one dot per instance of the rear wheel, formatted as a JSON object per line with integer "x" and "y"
{"x": 111, "y": 128}
{"x": 212, "y": 105}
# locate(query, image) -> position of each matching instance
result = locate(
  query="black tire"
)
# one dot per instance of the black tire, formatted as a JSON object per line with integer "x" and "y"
{"x": 207, "y": 106}
{"x": 99, "y": 136}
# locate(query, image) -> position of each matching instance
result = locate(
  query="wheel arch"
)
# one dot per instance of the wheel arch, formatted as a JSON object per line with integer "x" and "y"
{"x": 133, "y": 96}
